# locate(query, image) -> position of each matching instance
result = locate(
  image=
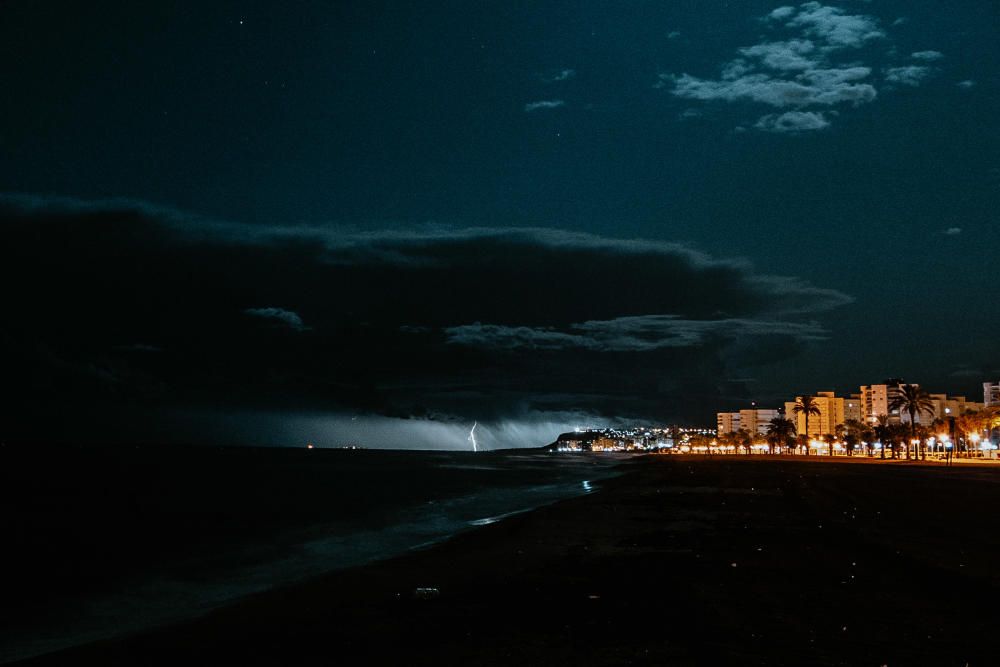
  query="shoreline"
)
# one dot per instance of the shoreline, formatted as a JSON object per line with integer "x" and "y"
{"x": 664, "y": 564}
{"x": 165, "y": 599}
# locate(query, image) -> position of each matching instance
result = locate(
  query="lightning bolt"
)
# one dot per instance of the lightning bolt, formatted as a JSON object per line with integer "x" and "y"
{"x": 472, "y": 437}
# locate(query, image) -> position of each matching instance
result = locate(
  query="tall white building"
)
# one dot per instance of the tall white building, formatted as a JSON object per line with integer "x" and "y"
{"x": 991, "y": 394}
{"x": 853, "y": 408}
{"x": 876, "y": 398}
{"x": 727, "y": 422}
{"x": 756, "y": 420}
{"x": 753, "y": 420}
{"x": 947, "y": 406}
{"x": 831, "y": 414}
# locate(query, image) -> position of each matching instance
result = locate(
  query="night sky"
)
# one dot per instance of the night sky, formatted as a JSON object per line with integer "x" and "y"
{"x": 379, "y": 222}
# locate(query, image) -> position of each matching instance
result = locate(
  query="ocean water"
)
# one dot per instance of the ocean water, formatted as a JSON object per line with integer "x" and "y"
{"x": 115, "y": 541}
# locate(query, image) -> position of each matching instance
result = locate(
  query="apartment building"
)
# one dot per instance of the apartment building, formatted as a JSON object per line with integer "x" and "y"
{"x": 991, "y": 394}
{"x": 876, "y": 398}
{"x": 754, "y": 420}
{"x": 831, "y": 414}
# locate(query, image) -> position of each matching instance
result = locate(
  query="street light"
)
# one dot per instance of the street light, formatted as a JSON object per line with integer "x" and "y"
{"x": 974, "y": 437}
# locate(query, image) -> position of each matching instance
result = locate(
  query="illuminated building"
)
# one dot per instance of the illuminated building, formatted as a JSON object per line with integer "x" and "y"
{"x": 991, "y": 394}
{"x": 728, "y": 422}
{"x": 853, "y": 408}
{"x": 946, "y": 406}
{"x": 831, "y": 414}
{"x": 753, "y": 420}
{"x": 756, "y": 420}
{"x": 875, "y": 400}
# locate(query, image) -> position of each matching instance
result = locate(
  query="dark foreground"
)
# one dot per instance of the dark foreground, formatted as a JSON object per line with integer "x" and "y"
{"x": 680, "y": 562}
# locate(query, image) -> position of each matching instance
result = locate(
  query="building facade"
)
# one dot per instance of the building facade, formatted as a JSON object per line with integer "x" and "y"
{"x": 853, "y": 408}
{"x": 727, "y": 422}
{"x": 831, "y": 414}
{"x": 754, "y": 420}
{"x": 876, "y": 398}
{"x": 946, "y": 406}
{"x": 757, "y": 420}
{"x": 991, "y": 394}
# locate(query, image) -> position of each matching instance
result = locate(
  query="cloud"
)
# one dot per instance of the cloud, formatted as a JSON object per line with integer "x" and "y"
{"x": 908, "y": 75}
{"x": 286, "y": 317}
{"x": 543, "y": 104}
{"x": 953, "y": 231}
{"x": 798, "y": 73}
{"x": 628, "y": 334}
{"x": 763, "y": 89}
{"x": 457, "y": 321}
{"x": 793, "y": 121}
{"x": 790, "y": 55}
{"x": 835, "y": 27}
{"x": 558, "y": 75}
{"x": 816, "y": 67}
{"x": 967, "y": 84}
{"x": 424, "y": 432}
{"x": 827, "y": 78}
{"x": 782, "y": 13}
{"x": 673, "y": 34}
{"x": 140, "y": 347}
{"x": 491, "y": 336}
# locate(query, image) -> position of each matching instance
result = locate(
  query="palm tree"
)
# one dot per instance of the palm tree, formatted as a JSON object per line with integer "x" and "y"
{"x": 882, "y": 432}
{"x": 853, "y": 434}
{"x": 779, "y": 432}
{"x": 923, "y": 435}
{"x": 806, "y": 405}
{"x": 913, "y": 400}
{"x": 743, "y": 439}
{"x": 829, "y": 439}
{"x": 897, "y": 435}
{"x": 838, "y": 435}
{"x": 967, "y": 424}
{"x": 938, "y": 426}
{"x": 867, "y": 435}
{"x": 991, "y": 420}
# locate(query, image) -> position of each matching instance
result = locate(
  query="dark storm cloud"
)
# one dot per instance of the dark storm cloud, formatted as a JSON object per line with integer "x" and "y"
{"x": 436, "y": 320}
{"x": 285, "y": 317}
{"x": 643, "y": 333}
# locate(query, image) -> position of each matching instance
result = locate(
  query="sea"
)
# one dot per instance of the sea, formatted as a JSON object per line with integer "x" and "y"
{"x": 113, "y": 541}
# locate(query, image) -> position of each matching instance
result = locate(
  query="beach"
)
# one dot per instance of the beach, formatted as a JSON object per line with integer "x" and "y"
{"x": 108, "y": 542}
{"x": 680, "y": 561}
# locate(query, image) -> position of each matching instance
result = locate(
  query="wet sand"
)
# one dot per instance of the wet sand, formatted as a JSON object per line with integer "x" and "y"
{"x": 681, "y": 561}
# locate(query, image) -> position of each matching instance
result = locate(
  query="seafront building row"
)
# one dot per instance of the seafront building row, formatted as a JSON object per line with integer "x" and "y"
{"x": 865, "y": 406}
{"x": 747, "y": 430}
